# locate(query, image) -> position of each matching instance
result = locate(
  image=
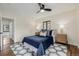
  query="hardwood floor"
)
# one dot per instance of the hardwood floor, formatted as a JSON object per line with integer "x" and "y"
{"x": 73, "y": 50}
{"x": 7, "y": 50}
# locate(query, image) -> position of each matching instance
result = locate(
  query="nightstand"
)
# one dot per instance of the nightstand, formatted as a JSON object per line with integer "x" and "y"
{"x": 37, "y": 33}
{"x": 61, "y": 38}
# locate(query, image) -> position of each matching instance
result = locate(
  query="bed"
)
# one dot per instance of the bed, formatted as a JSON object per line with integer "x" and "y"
{"x": 41, "y": 43}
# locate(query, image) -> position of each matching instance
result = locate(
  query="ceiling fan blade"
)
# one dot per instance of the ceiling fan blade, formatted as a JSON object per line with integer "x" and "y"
{"x": 38, "y": 11}
{"x": 42, "y": 8}
{"x": 41, "y": 5}
{"x": 47, "y": 9}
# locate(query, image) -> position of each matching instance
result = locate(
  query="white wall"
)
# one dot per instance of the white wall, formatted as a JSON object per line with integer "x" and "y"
{"x": 70, "y": 20}
{"x": 70, "y": 26}
{"x": 77, "y": 25}
{"x": 24, "y": 26}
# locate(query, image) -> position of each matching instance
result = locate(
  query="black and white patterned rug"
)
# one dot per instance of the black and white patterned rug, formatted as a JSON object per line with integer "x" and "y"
{"x": 54, "y": 50}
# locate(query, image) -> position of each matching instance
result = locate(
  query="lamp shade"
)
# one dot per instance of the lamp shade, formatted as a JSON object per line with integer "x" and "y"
{"x": 61, "y": 29}
{"x": 38, "y": 27}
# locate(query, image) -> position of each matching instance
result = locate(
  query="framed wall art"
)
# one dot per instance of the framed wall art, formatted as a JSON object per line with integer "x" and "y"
{"x": 5, "y": 28}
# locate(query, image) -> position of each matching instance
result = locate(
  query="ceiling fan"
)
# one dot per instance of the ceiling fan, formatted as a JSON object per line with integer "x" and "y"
{"x": 42, "y": 8}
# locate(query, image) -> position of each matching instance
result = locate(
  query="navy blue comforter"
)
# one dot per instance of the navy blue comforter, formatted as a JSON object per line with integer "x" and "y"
{"x": 39, "y": 42}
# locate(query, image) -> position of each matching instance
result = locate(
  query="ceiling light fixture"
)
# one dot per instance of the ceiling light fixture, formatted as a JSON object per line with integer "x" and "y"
{"x": 42, "y": 10}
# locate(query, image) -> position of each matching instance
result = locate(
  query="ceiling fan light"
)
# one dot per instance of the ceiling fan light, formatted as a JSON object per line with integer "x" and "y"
{"x": 42, "y": 10}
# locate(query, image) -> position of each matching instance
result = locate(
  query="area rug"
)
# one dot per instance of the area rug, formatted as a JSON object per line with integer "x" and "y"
{"x": 54, "y": 50}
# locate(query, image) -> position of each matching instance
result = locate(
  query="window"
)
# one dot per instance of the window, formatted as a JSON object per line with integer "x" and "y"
{"x": 46, "y": 25}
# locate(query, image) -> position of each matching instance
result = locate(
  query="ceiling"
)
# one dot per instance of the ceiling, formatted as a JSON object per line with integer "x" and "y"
{"x": 30, "y": 9}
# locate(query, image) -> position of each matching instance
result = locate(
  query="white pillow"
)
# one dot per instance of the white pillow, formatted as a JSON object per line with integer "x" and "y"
{"x": 53, "y": 34}
{"x": 43, "y": 33}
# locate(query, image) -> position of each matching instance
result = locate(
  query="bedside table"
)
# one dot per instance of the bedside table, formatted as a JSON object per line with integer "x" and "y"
{"x": 37, "y": 33}
{"x": 61, "y": 38}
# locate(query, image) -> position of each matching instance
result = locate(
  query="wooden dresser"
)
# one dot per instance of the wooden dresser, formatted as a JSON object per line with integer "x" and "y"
{"x": 72, "y": 50}
{"x": 61, "y": 38}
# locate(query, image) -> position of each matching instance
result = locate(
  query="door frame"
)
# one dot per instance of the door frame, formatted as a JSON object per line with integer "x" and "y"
{"x": 1, "y": 29}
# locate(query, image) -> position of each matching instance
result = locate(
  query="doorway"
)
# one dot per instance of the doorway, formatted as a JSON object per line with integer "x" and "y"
{"x": 6, "y": 32}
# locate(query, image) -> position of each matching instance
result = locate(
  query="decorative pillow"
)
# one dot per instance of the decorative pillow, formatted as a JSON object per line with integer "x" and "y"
{"x": 49, "y": 33}
{"x": 43, "y": 33}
